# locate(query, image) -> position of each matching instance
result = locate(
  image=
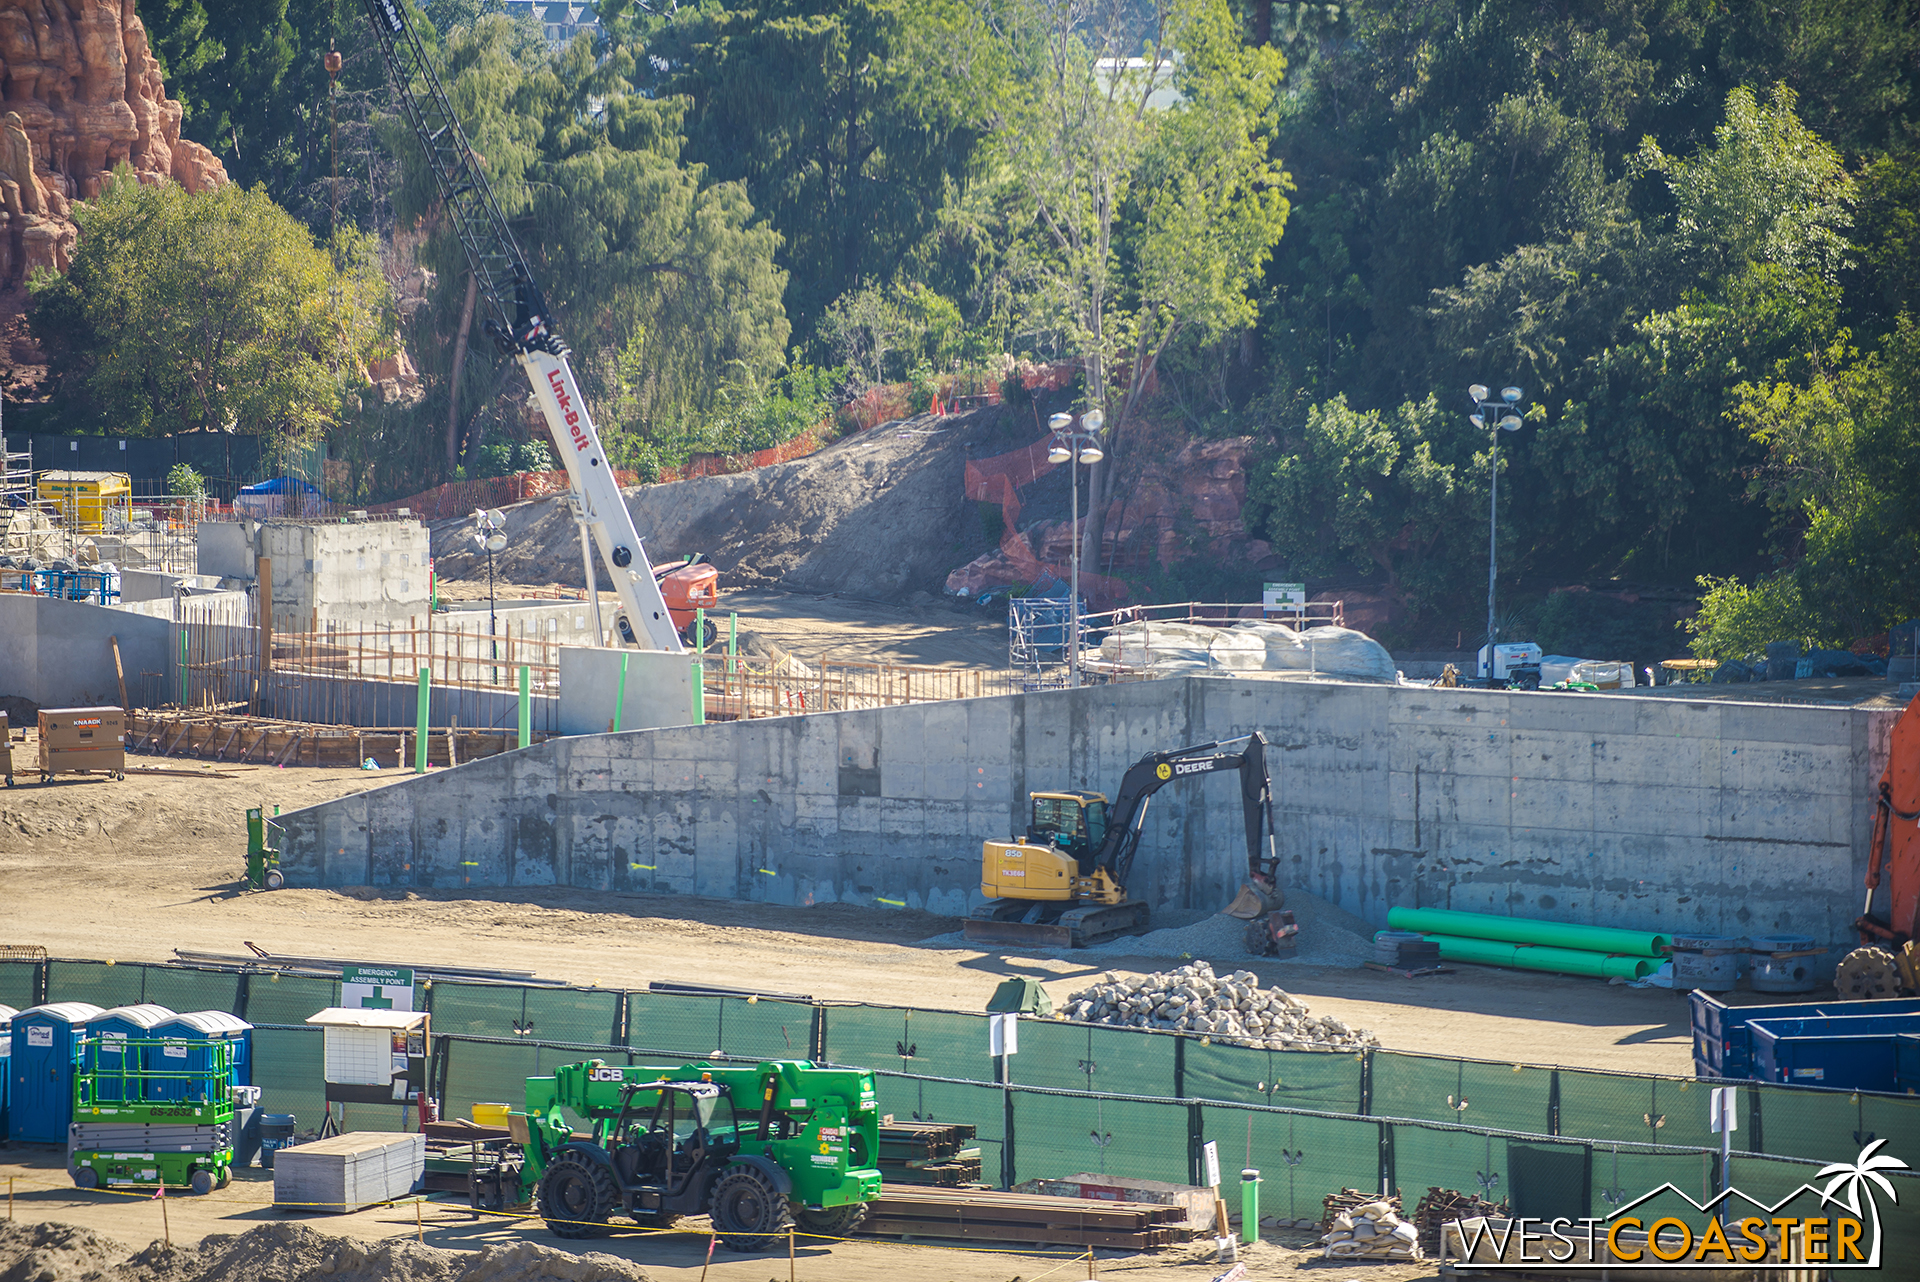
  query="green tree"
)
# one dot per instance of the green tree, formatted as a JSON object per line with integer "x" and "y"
{"x": 1150, "y": 194}
{"x": 1397, "y": 491}
{"x": 651, "y": 268}
{"x": 836, "y": 116}
{"x": 211, "y": 312}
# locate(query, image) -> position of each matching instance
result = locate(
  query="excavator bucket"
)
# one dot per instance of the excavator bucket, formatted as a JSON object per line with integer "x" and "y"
{"x": 1255, "y": 900}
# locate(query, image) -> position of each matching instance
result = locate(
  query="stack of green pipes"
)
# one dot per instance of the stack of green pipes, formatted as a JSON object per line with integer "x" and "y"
{"x": 1488, "y": 940}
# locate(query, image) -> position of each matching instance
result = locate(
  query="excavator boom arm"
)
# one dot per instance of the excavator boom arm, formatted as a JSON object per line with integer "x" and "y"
{"x": 1158, "y": 769}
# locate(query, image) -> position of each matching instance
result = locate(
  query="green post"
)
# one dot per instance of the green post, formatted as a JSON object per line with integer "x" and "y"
{"x": 733, "y": 641}
{"x": 620, "y": 698}
{"x": 420, "y": 722}
{"x": 699, "y": 667}
{"x": 1249, "y": 1205}
{"x": 183, "y": 667}
{"x": 526, "y": 706}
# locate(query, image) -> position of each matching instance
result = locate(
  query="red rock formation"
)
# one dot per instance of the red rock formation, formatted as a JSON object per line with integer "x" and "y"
{"x": 83, "y": 95}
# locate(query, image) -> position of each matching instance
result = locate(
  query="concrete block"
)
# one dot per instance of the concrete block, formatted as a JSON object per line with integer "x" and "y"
{"x": 658, "y": 689}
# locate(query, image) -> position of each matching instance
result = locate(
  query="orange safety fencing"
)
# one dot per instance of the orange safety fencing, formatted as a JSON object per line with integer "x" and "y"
{"x": 800, "y": 446}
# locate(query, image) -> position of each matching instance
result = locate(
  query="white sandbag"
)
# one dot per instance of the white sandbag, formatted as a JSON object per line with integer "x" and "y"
{"x": 1606, "y": 674}
{"x": 1331, "y": 651}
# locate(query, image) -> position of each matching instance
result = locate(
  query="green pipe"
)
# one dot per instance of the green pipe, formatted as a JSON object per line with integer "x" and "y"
{"x": 1249, "y": 1206}
{"x": 420, "y": 722}
{"x": 526, "y": 706}
{"x": 1525, "y": 930}
{"x": 733, "y": 642}
{"x": 699, "y": 668}
{"x": 1560, "y": 961}
{"x": 183, "y": 670}
{"x": 620, "y": 697}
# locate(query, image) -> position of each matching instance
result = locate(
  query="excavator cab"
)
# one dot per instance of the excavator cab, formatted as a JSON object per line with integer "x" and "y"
{"x": 1073, "y": 822}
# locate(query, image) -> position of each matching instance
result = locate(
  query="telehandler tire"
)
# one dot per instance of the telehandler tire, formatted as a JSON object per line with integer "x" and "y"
{"x": 749, "y": 1211}
{"x": 576, "y": 1196}
{"x": 840, "y": 1221}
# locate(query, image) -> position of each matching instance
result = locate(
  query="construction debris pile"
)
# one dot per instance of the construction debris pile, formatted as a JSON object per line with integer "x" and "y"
{"x": 1192, "y": 999}
{"x": 1372, "y": 1230}
{"x": 1441, "y": 1207}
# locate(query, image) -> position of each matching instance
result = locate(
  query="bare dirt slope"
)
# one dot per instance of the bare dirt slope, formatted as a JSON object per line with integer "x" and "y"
{"x": 878, "y": 514}
{"x": 136, "y": 869}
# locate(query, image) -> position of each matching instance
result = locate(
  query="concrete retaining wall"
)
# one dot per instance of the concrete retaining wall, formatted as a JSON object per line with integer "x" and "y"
{"x": 1655, "y": 813}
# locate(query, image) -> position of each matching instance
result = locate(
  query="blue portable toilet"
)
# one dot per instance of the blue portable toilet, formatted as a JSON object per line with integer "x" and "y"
{"x": 186, "y": 1046}
{"x": 6, "y": 1057}
{"x": 46, "y": 1047}
{"x": 120, "y": 1074}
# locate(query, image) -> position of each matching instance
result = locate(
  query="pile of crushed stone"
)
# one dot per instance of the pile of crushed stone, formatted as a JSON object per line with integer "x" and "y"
{"x": 1230, "y": 1008}
{"x": 47, "y": 1252}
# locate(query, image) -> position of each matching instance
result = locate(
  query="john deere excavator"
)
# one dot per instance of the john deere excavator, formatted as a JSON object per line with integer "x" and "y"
{"x": 1888, "y": 963}
{"x": 1063, "y": 884}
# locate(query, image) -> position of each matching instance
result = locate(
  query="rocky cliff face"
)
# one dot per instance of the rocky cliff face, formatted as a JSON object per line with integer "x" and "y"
{"x": 83, "y": 94}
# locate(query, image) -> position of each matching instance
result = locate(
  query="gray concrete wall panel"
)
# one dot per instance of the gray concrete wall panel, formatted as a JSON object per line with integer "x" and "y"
{"x": 1609, "y": 809}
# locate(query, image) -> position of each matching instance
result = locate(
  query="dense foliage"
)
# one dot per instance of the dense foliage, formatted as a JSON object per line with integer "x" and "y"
{"x": 1689, "y": 230}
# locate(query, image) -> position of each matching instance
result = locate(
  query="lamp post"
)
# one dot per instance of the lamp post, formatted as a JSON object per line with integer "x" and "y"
{"x": 1501, "y": 419}
{"x": 1073, "y": 448}
{"x": 487, "y": 526}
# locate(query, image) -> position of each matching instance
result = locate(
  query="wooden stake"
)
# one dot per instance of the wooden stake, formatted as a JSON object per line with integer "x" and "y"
{"x": 120, "y": 673}
{"x": 712, "y": 1239}
{"x": 166, "y": 1228}
{"x": 419, "y": 1230}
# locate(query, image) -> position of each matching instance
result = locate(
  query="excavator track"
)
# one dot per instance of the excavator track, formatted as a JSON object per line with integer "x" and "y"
{"x": 1007, "y": 922}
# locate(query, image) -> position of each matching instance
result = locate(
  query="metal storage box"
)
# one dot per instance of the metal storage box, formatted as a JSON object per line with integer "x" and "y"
{"x": 1722, "y": 1046}
{"x": 1853, "y": 1053}
{"x": 74, "y": 739}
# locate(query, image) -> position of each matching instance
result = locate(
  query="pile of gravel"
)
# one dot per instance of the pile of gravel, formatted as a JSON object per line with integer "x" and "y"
{"x": 1233, "y": 1010}
{"x": 1329, "y": 936}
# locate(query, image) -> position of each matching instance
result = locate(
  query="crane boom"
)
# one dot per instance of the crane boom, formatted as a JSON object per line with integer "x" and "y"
{"x": 522, "y": 328}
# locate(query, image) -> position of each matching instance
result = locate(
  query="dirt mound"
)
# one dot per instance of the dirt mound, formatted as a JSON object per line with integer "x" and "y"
{"x": 880, "y": 514}
{"x": 286, "y": 1253}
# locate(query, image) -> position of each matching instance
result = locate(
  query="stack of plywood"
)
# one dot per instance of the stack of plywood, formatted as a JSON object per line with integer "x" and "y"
{"x": 349, "y": 1172}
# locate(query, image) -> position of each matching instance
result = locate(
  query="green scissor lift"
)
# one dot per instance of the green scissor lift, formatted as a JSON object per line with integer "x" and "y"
{"x": 263, "y": 860}
{"x": 134, "y": 1124}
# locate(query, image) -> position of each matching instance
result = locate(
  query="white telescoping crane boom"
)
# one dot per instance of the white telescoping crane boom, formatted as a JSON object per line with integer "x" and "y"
{"x": 523, "y": 330}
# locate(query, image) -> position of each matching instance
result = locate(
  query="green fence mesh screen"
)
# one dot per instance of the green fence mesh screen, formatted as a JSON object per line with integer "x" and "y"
{"x": 487, "y": 1072}
{"x": 671, "y": 1024}
{"x": 379, "y": 1117}
{"x": 907, "y": 1098}
{"x": 1643, "y": 1110}
{"x": 183, "y": 990}
{"x": 1469, "y": 1161}
{"x": 765, "y": 1029}
{"x": 288, "y": 999}
{"x": 1058, "y": 1135}
{"x": 1798, "y": 1122}
{"x": 1896, "y": 1120}
{"x": 936, "y": 1043}
{"x": 101, "y": 983}
{"x": 17, "y": 982}
{"x": 287, "y": 1066}
{"x": 1508, "y": 1097}
{"x": 1288, "y": 1079}
{"x": 587, "y": 1016}
{"x": 1622, "y": 1174}
{"x": 1301, "y": 1158}
{"x": 478, "y": 1010}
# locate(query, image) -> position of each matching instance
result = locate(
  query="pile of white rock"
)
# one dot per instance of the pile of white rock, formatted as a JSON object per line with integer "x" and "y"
{"x": 1372, "y": 1232}
{"x": 1192, "y": 999}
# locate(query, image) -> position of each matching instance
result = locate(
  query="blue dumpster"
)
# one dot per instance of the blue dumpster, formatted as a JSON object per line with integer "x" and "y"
{"x": 6, "y": 1057}
{"x": 46, "y": 1049}
{"x": 1722, "y": 1046}
{"x": 119, "y": 1073}
{"x": 186, "y": 1046}
{"x": 1853, "y": 1053}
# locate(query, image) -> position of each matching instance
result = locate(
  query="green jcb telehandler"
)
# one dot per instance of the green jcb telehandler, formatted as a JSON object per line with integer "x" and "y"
{"x": 761, "y": 1149}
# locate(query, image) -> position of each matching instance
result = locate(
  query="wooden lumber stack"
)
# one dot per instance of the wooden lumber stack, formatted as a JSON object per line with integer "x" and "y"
{"x": 937, "y": 1154}
{"x": 1441, "y": 1207}
{"x": 992, "y": 1215}
{"x": 349, "y": 1172}
{"x": 1347, "y": 1201}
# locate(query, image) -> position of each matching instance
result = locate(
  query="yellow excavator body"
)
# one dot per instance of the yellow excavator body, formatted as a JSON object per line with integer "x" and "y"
{"x": 1047, "y": 874}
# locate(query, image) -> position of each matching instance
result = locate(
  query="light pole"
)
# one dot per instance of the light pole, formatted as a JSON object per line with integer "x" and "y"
{"x": 1073, "y": 448}
{"x": 487, "y": 526}
{"x": 1501, "y": 419}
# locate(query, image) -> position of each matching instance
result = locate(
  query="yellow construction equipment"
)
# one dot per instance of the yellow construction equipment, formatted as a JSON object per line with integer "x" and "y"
{"x": 1063, "y": 884}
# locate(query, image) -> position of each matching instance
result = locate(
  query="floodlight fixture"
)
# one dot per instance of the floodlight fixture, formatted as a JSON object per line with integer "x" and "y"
{"x": 1091, "y": 455}
{"x": 1093, "y": 420}
{"x": 1510, "y": 394}
{"x": 1060, "y": 422}
{"x": 1510, "y": 423}
{"x": 1478, "y": 392}
{"x": 1059, "y": 454}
